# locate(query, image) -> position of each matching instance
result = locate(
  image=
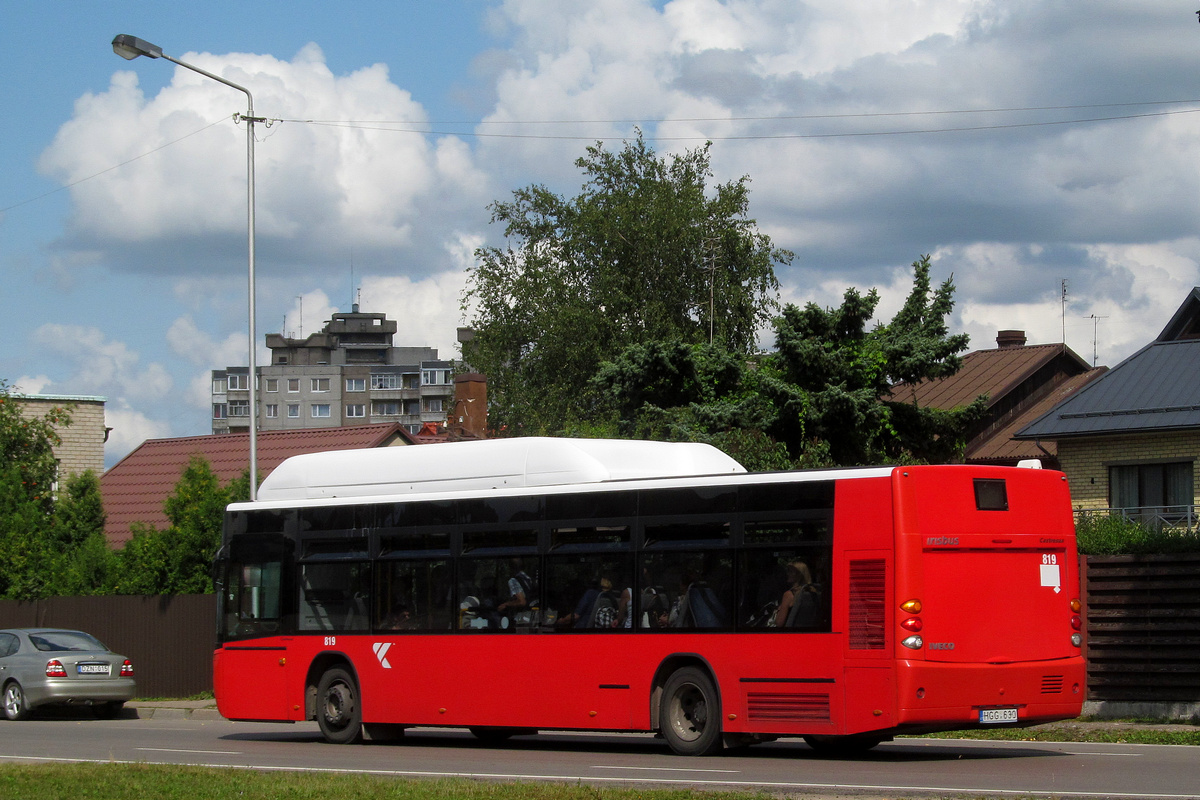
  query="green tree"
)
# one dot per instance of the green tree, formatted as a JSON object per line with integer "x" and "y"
{"x": 831, "y": 378}
{"x": 178, "y": 560}
{"x": 28, "y": 470}
{"x": 647, "y": 251}
{"x": 822, "y": 398}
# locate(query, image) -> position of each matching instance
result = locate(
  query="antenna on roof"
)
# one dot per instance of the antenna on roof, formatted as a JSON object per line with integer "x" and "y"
{"x": 1095, "y": 332}
{"x": 1064, "y": 310}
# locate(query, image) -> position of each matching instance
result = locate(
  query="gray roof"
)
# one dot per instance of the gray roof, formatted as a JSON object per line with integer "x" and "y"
{"x": 1155, "y": 389}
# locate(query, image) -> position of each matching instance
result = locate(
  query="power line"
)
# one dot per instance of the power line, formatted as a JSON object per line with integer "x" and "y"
{"x": 110, "y": 169}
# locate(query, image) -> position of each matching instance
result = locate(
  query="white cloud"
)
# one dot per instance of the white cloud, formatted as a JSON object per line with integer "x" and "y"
{"x": 101, "y": 366}
{"x": 321, "y": 188}
{"x": 31, "y": 385}
{"x": 129, "y": 429}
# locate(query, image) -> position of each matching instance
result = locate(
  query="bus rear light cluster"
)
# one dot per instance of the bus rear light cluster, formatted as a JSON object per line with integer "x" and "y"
{"x": 912, "y": 623}
{"x": 1076, "y": 622}
{"x": 55, "y": 669}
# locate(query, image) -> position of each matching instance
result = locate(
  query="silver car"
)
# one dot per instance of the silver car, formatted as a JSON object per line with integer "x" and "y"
{"x": 48, "y": 666}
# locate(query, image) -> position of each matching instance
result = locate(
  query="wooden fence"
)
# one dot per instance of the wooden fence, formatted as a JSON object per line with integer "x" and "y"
{"x": 1143, "y": 628}
{"x": 1142, "y": 612}
{"x": 169, "y": 639}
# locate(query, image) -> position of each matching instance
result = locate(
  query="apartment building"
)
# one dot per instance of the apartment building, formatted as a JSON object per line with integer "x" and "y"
{"x": 348, "y": 373}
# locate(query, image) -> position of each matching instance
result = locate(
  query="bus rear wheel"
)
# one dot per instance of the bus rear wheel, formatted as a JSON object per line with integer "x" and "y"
{"x": 690, "y": 713}
{"x": 339, "y": 713}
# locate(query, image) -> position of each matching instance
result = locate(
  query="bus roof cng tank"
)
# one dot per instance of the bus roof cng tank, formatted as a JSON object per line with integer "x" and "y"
{"x": 487, "y": 464}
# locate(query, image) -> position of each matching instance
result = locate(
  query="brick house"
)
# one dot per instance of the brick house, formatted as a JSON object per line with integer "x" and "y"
{"x": 82, "y": 446}
{"x": 1130, "y": 439}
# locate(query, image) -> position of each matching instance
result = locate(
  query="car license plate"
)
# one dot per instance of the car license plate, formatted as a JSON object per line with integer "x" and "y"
{"x": 994, "y": 715}
{"x": 92, "y": 669}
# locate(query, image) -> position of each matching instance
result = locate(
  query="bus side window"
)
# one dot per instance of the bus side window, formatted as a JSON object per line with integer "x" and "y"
{"x": 334, "y": 597}
{"x": 413, "y": 595}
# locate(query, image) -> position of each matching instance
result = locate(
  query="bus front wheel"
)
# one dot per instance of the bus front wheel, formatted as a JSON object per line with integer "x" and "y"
{"x": 339, "y": 713}
{"x": 690, "y": 713}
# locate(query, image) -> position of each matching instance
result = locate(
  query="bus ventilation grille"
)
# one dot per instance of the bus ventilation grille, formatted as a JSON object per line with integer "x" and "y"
{"x": 1052, "y": 684}
{"x": 868, "y": 604}
{"x": 763, "y": 707}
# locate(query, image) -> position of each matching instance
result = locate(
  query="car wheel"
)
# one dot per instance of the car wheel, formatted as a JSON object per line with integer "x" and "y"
{"x": 15, "y": 707}
{"x": 339, "y": 713}
{"x": 690, "y": 713}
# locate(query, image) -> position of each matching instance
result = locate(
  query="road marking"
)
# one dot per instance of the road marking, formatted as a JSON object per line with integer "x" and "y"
{"x": 201, "y": 752}
{"x": 668, "y": 769}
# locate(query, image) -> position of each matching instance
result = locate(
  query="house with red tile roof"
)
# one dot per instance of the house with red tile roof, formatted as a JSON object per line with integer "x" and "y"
{"x": 135, "y": 488}
{"x": 1022, "y": 382}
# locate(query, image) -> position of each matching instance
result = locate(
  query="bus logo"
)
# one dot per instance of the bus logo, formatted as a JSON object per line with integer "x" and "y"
{"x": 941, "y": 645}
{"x": 381, "y": 650}
{"x": 936, "y": 540}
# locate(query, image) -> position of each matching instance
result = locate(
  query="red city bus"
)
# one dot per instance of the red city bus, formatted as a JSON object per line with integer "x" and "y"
{"x": 508, "y": 586}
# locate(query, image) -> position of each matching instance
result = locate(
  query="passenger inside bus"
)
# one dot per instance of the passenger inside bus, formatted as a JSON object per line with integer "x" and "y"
{"x": 799, "y": 607}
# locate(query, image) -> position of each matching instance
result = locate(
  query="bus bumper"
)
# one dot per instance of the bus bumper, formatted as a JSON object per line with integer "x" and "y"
{"x": 949, "y": 696}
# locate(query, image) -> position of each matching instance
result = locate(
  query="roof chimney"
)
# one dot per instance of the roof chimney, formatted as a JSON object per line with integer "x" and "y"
{"x": 1010, "y": 339}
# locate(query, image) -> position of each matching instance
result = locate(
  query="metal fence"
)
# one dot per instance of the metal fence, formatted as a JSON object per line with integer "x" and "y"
{"x": 169, "y": 639}
{"x": 1180, "y": 519}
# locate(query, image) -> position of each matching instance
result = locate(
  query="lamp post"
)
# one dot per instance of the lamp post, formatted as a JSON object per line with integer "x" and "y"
{"x": 130, "y": 47}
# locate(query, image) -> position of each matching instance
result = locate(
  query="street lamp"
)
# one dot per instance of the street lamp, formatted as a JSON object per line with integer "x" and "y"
{"x": 130, "y": 47}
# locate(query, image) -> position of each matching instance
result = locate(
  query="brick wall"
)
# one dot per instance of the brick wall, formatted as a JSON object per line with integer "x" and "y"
{"x": 82, "y": 445}
{"x": 1086, "y": 461}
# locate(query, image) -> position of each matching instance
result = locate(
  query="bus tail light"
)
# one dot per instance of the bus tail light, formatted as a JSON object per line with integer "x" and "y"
{"x": 913, "y": 642}
{"x": 1076, "y": 623}
{"x": 911, "y": 606}
{"x": 55, "y": 669}
{"x": 912, "y": 624}
{"x": 1077, "y": 639}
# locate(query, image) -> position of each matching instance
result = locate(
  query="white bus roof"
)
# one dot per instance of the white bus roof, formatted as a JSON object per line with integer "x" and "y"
{"x": 485, "y": 465}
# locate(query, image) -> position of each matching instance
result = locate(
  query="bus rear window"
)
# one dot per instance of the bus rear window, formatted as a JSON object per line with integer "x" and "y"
{"x": 991, "y": 495}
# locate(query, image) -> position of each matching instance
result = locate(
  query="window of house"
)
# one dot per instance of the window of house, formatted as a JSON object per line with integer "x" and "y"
{"x": 436, "y": 377}
{"x": 294, "y": 410}
{"x": 356, "y": 410}
{"x": 320, "y": 409}
{"x": 385, "y": 409}
{"x": 272, "y": 384}
{"x": 385, "y": 381}
{"x": 1151, "y": 485}
{"x": 218, "y": 386}
{"x": 219, "y": 411}
{"x": 293, "y": 384}
{"x": 356, "y": 384}
{"x": 272, "y": 411}
{"x": 239, "y": 408}
{"x": 238, "y": 383}
{"x": 434, "y": 404}
{"x": 319, "y": 384}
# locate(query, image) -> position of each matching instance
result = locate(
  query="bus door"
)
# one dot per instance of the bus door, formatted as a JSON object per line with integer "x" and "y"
{"x": 249, "y": 667}
{"x": 863, "y": 524}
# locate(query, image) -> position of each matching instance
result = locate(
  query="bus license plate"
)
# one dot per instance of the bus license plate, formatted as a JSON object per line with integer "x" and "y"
{"x": 993, "y": 715}
{"x": 92, "y": 669}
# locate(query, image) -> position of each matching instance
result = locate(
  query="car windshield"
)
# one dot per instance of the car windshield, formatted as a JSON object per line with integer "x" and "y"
{"x": 65, "y": 640}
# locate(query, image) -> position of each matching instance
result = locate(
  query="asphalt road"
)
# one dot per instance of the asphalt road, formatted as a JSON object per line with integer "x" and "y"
{"x": 905, "y": 768}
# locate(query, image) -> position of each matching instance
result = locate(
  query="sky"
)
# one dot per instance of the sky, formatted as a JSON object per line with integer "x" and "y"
{"x": 1019, "y": 143}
